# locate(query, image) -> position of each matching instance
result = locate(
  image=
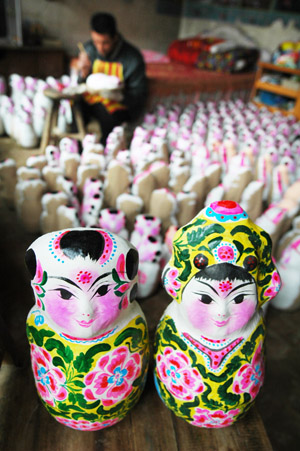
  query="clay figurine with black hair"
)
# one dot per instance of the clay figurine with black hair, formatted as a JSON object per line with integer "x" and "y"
{"x": 88, "y": 336}
{"x": 209, "y": 345}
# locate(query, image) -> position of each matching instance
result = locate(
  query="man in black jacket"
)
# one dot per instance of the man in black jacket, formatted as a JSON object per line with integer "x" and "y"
{"x": 107, "y": 52}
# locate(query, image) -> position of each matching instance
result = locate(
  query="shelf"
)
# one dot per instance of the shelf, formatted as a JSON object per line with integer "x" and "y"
{"x": 273, "y": 108}
{"x": 35, "y": 61}
{"x": 277, "y": 68}
{"x": 277, "y": 89}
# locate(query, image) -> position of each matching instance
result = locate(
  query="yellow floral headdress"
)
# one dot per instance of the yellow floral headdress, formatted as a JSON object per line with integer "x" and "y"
{"x": 222, "y": 232}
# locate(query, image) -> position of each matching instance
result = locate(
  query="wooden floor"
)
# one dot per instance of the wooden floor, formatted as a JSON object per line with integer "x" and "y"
{"x": 25, "y": 425}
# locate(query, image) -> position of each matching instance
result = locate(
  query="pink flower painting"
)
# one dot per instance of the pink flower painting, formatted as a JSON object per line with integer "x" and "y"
{"x": 273, "y": 289}
{"x": 142, "y": 277}
{"x": 225, "y": 253}
{"x": 38, "y": 273}
{"x": 250, "y": 377}
{"x": 112, "y": 378}
{"x": 214, "y": 418}
{"x": 84, "y": 425}
{"x": 175, "y": 371}
{"x": 49, "y": 379}
{"x": 172, "y": 285}
{"x": 84, "y": 277}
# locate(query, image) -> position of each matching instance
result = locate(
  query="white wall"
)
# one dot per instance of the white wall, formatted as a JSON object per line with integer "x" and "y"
{"x": 68, "y": 21}
{"x": 267, "y": 38}
{"x": 139, "y": 22}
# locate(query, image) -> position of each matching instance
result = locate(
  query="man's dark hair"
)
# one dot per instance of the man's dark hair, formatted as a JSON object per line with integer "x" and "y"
{"x": 104, "y": 23}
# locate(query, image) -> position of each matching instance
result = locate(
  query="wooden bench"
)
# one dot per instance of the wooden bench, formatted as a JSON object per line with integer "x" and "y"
{"x": 50, "y": 133}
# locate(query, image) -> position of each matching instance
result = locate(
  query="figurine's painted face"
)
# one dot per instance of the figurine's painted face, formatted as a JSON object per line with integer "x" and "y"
{"x": 82, "y": 279}
{"x": 218, "y": 308}
{"x": 81, "y": 306}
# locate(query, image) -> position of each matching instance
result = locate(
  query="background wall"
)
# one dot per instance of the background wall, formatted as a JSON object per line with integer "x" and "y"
{"x": 267, "y": 37}
{"x": 68, "y": 21}
{"x": 139, "y": 21}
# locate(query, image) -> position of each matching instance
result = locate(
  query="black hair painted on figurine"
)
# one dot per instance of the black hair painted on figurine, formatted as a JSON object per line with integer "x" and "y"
{"x": 132, "y": 263}
{"x": 82, "y": 243}
{"x": 223, "y": 271}
{"x": 30, "y": 261}
{"x": 90, "y": 243}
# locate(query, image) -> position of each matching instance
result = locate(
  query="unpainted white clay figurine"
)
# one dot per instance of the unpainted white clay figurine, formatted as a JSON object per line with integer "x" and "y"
{"x": 288, "y": 265}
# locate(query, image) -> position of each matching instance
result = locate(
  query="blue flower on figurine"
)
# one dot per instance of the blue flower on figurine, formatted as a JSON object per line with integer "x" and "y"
{"x": 39, "y": 320}
{"x": 44, "y": 378}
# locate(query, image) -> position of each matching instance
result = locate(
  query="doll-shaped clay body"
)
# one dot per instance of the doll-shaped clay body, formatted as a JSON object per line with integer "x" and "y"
{"x": 209, "y": 346}
{"x": 88, "y": 336}
{"x": 146, "y": 237}
{"x": 113, "y": 220}
{"x": 288, "y": 264}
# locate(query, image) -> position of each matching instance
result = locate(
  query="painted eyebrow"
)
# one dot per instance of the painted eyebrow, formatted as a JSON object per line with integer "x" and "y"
{"x": 99, "y": 278}
{"x": 236, "y": 288}
{"x": 240, "y": 286}
{"x": 65, "y": 279}
{"x": 204, "y": 283}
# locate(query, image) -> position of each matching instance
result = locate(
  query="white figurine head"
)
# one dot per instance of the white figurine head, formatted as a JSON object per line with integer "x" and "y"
{"x": 221, "y": 270}
{"x": 82, "y": 279}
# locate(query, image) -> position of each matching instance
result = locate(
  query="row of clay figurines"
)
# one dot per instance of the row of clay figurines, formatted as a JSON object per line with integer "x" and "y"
{"x": 23, "y": 112}
{"x": 88, "y": 335}
{"x": 61, "y": 207}
{"x": 147, "y": 235}
{"x": 150, "y": 191}
{"x": 70, "y": 204}
{"x": 198, "y": 170}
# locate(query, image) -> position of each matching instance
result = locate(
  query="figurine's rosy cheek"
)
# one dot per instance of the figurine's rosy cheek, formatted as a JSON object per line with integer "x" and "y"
{"x": 106, "y": 310}
{"x": 199, "y": 314}
{"x": 62, "y": 312}
{"x": 242, "y": 313}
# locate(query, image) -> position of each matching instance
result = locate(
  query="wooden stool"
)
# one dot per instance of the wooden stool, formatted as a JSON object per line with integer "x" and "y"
{"x": 50, "y": 133}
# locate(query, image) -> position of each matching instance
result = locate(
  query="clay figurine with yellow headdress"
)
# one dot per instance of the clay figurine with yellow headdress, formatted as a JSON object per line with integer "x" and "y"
{"x": 209, "y": 345}
{"x": 88, "y": 336}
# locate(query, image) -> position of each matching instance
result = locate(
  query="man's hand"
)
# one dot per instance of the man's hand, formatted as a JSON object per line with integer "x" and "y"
{"x": 84, "y": 64}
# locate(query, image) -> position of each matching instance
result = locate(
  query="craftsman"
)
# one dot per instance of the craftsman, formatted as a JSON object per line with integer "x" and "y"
{"x": 107, "y": 52}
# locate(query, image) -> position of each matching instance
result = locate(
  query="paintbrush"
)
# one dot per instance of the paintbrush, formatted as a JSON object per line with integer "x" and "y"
{"x": 81, "y": 48}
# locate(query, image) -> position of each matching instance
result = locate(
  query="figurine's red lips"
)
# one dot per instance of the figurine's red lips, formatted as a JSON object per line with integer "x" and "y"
{"x": 221, "y": 323}
{"x": 85, "y": 323}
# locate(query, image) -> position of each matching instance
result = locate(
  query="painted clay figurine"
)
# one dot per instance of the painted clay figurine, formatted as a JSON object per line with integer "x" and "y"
{"x": 88, "y": 336}
{"x": 209, "y": 346}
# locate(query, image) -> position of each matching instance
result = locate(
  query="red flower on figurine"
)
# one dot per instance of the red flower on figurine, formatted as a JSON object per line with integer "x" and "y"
{"x": 214, "y": 418}
{"x": 112, "y": 378}
{"x": 84, "y": 425}
{"x": 38, "y": 284}
{"x": 171, "y": 283}
{"x": 175, "y": 371}
{"x": 49, "y": 379}
{"x": 272, "y": 291}
{"x": 250, "y": 377}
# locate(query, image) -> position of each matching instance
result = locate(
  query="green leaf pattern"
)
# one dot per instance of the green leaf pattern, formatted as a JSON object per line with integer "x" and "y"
{"x": 218, "y": 393}
{"x": 75, "y": 360}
